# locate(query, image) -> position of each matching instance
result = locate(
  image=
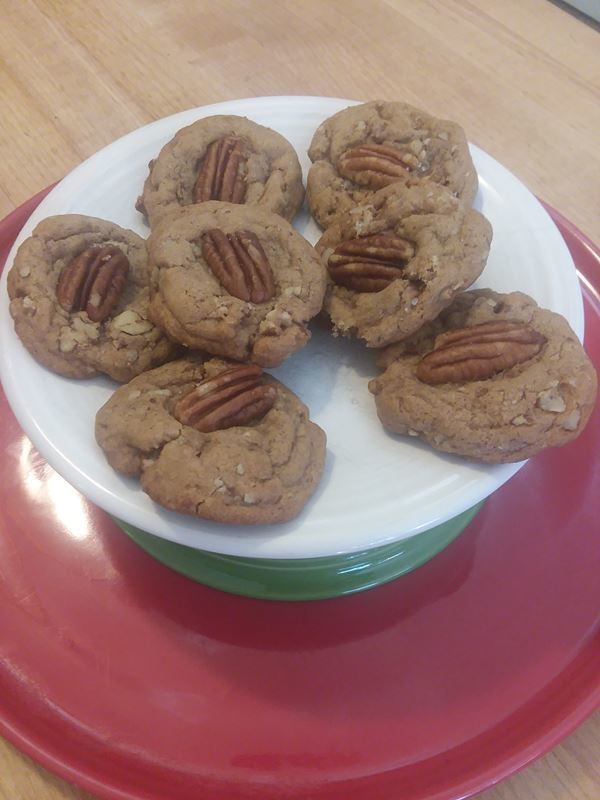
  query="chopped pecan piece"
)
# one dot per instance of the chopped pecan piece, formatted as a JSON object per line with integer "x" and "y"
{"x": 371, "y": 263}
{"x": 240, "y": 264}
{"x": 374, "y": 165}
{"x": 478, "y": 352}
{"x": 93, "y": 282}
{"x": 221, "y": 175}
{"x": 234, "y": 397}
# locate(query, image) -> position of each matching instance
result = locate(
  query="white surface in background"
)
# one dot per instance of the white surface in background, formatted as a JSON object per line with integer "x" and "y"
{"x": 589, "y": 7}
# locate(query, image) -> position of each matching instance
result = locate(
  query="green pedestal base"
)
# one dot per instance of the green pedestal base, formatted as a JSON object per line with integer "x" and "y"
{"x": 306, "y": 578}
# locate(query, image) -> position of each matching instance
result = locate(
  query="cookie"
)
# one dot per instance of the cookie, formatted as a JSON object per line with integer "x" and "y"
{"x": 217, "y": 440}
{"x": 224, "y": 158}
{"x": 396, "y": 261}
{"x": 79, "y": 299}
{"x": 367, "y": 147}
{"x": 234, "y": 281}
{"x": 495, "y": 378}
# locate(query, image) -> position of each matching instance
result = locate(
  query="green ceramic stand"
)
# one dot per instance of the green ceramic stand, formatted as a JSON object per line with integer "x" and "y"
{"x": 304, "y": 578}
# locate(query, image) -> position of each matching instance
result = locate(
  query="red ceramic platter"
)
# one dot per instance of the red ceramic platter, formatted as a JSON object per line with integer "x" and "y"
{"x": 136, "y": 683}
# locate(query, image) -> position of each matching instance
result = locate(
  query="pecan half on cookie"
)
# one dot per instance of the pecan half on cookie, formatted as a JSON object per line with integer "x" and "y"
{"x": 79, "y": 299}
{"x": 367, "y": 147}
{"x": 234, "y": 281}
{"x": 494, "y": 378}
{"x": 395, "y": 262}
{"x": 232, "y": 398}
{"x": 225, "y": 158}
{"x": 215, "y": 439}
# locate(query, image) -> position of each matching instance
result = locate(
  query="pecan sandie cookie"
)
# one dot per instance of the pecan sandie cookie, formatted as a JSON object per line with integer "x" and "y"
{"x": 367, "y": 147}
{"x": 216, "y": 439}
{"x": 224, "y": 158}
{"x": 494, "y": 378}
{"x": 234, "y": 281}
{"x": 397, "y": 260}
{"x": 79, "y": 298}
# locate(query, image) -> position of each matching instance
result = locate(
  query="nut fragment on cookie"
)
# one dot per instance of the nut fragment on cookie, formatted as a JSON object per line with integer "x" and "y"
{"x": 214, "y": 439}
{"x": 415, "y": 251}
{"x": 225, "y": 158}
{"x": 77, "y": 286}
{"x": 234, "y": 281}
{"x": 367, "y": 147}
{"x": 131, "y": 323}
{"x": 482, "y": 380}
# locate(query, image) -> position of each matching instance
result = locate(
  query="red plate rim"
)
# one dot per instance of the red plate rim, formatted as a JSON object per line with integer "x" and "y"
{"x": 576, "y": 699}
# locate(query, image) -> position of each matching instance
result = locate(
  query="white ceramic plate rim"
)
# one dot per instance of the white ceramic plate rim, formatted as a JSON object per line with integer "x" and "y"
{"x": 307, "y": 536}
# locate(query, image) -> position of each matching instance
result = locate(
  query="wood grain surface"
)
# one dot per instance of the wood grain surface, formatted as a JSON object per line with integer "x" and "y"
{"x": 521, "y": 76}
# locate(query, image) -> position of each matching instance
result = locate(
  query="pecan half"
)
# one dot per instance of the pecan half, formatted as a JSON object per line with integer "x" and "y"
{"x": 221, "y": 175}
{"x": 240, "y": 264}
{"x": 478, "y": 352}
{"x": 371, "y": 263}
{"x": 374, "y": 165}
{"x": 93, "y": 282}
{"x": 234, "y": 397}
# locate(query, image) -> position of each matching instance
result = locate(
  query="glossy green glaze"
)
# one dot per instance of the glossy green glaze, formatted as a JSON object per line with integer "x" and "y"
{"x": 304, "y": 578}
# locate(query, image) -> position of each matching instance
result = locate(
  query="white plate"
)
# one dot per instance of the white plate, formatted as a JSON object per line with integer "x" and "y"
{"x": 377, "y": 488}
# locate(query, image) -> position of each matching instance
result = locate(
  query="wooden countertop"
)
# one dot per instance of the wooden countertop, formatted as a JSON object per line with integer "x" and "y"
{"x": 520, "y": 75}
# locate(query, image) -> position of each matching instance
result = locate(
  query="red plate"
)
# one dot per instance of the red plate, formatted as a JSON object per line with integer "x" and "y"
{"x": 134, "y": 682}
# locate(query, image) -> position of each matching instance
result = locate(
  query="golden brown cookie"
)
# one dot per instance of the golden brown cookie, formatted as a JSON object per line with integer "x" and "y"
{"x": 224, "y": 158}
{"x": 367, "y": 147}
{"x": 495, "y": 378}
{"x": 217, "y": 440}
{"x": 234, "y": 281}
{"x": 79, "y": 299}
{"x": 396, "y": 261}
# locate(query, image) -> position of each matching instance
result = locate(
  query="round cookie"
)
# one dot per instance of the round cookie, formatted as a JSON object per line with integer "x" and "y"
{"x": 206, "y": 301}
{"x": 495, "y": 378}
{"x": 260, "y": 470}
{"x": 118, "y": 340}
{"x": 398, "y": 260}
{"x": 367, "y": 147}
{"x": 224, "y": 158}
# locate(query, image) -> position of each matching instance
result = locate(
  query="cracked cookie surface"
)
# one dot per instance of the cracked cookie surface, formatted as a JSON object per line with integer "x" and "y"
{"x": 449, "y": 245}
{"x": 432, "y": 151}
{"x": 261, "y": 472}
{"x": 545, "y": 401}
{"x": 268, "y": 170}
{"x": 69, "y": 342}
{"x": 191, "y": 304}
